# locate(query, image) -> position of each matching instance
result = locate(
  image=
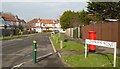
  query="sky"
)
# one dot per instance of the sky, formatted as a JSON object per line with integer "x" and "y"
{"x": 44, "y": 0}
{"x": 44, "y": 10}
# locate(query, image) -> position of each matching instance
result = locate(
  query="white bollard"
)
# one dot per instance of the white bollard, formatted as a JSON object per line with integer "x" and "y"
{"x": 85, "y": 50}
{"x": 61, "y": 44}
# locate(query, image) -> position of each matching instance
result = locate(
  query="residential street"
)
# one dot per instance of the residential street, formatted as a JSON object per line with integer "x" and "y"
{"x": 51, "y": 34}
{"x": 20, "y": 50}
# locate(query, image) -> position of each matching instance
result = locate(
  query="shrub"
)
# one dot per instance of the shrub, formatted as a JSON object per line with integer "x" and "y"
{"x": 47, "y": 30}
{"x": 65, "y": 40}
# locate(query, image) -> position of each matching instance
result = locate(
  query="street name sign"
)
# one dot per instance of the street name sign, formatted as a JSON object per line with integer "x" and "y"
{"x": 102, "y": 43}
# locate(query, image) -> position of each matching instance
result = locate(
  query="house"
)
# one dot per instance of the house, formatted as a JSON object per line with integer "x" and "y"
{"x": 9, "y": 24}
{"x": 40, "y": 25}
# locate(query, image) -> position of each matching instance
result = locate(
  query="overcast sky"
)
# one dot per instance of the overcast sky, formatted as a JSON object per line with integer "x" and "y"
{"x": 45, "y": 10}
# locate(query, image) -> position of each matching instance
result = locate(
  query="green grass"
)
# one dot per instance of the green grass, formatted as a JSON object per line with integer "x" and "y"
{"x": 68, "y": 46}
{"x": 14, "y": 36}
{"x": 71, "y": 45}
{"x": 78, "y": 60}
{"x": 93, "y": 60}
{"x": 56, "y": 41}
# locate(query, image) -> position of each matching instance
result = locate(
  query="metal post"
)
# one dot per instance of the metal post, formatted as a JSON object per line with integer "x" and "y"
{"x": 34, "y": 51}
{"x": 61, "y": 44}
{"x": 114, "y": 63}
{"x": 85, "y": 50}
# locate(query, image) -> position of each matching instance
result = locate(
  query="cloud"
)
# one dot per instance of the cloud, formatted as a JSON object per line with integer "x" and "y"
{"x": 51, "y": 10}
{"x": 44, "y": 0}
{"x": 60, "y": 0}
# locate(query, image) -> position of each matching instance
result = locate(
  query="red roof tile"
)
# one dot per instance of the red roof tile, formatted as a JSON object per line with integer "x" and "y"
{"x": 48, "y": 21}
{"x": 38, "y": 20}
{"x": 9, "y": 17}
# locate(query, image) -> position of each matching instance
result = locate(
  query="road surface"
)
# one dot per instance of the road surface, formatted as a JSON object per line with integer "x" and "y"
{"x": 17, "y": 51}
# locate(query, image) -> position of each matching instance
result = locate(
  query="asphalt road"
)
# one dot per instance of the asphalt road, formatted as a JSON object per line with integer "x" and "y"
{"x": 20, "y": 50}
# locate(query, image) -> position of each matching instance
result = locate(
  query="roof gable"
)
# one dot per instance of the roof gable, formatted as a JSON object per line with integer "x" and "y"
{"x": 38, "y": 20}
{"x": 7, "y": 17}
{"x": 43, "y": 21}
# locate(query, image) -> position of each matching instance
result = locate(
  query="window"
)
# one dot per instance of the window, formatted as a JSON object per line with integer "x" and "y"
{"x": 53, "y": 25}
{"x": 2, "y": 21}
{"x": 37, "y": 24}
{"x": 43, "y": 24}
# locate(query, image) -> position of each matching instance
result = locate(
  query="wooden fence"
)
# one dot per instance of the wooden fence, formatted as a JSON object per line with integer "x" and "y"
{"x": 107, "y": 31}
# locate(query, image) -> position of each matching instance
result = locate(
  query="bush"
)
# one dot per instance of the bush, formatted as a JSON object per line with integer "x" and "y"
{"x": 16, "y": 31}
{"x": 47, "y": 30}
{"x": 27, "y": 32}
{"x": 65, "y": 40}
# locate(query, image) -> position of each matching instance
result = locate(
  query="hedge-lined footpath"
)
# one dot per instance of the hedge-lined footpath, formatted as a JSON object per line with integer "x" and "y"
{"x": 73, "y": 54}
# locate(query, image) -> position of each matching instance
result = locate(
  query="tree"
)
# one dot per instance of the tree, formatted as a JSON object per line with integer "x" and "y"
{"x": 66, "y": 19}
{"x": 84, "y": 18}
{"x": 21, "y": 27}
{"x": 75, "y": 19}
{"x": 105, "y": 10}
{"x": 70, "y": 19}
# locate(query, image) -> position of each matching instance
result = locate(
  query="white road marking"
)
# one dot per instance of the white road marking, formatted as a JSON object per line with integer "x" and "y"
{"x": 44, "y": 55}
{"x": 52, "y": 45}
{"x": 54, "y": 48}
{"x": 18, "y": 65}
{"x": 31, "y": 60}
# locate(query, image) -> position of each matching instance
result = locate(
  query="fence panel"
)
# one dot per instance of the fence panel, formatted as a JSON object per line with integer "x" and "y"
{"x": 107, "y": 31}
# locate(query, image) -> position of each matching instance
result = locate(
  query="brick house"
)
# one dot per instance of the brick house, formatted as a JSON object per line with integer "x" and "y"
{"x": 40, "y": 25}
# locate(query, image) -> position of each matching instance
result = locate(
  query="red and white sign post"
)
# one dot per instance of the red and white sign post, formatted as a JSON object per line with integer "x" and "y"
{"x": 104, "y": 44}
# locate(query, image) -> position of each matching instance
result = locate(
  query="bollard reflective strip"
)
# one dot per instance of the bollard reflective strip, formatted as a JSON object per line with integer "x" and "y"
{"x": 35, "y": 49}
{"x": 34, "y": 41}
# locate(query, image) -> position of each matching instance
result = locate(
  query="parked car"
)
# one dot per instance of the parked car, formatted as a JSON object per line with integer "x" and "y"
{"x": 56, "y": 31}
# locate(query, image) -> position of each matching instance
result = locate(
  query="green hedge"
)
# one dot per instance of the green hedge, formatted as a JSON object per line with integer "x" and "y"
{"x": 47, "y": 30}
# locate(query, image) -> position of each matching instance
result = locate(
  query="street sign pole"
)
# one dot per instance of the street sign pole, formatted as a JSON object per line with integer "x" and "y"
{"x": 85, "y": 50}
{"x": 61, "y": 44}
{"x": 34, "y": 51}
{"x": 104, "y": 44}
{"x": 114, "y": 55}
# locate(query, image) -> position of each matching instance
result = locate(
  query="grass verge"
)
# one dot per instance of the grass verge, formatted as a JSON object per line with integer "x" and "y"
{"x": 78, "y": 60}
{"x": 67, "y": 45}
{"x": 93, "y": 60}
{"x": 14, "y": 36}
